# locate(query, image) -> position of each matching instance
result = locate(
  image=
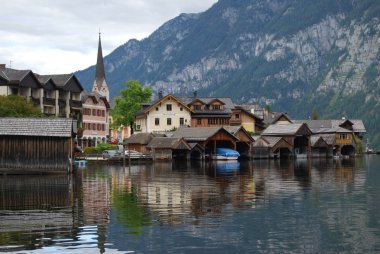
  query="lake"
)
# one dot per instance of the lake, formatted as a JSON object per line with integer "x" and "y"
{"x": 266, "y": 206}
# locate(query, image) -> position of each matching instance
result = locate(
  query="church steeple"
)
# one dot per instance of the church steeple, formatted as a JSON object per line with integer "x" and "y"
{"x": 100, "y": 84}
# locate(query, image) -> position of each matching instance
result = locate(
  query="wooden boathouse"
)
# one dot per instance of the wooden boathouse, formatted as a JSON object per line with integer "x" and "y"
{"x": 36, "y": 145}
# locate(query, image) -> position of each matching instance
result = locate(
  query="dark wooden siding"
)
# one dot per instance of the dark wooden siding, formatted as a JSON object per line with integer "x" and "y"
{"x": 34, "y": 154}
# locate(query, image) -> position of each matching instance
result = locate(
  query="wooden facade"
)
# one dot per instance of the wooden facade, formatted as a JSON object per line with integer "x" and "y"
{"x": 36, "y": 145}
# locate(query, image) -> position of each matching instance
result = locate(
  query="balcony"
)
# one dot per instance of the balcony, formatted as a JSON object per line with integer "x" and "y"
{"x": 75, "y": 104}
{"x": 61, "y": 102}
{"x": 35, "y": 101}
{"x": 234, "y": 121}
{"x": 49, "y": 101}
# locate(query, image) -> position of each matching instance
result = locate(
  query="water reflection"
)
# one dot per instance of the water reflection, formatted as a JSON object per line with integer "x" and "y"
{"x": 283, "y": 205}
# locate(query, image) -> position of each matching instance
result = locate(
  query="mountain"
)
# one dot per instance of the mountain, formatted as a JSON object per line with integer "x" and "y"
{"x": 295, "y": 55}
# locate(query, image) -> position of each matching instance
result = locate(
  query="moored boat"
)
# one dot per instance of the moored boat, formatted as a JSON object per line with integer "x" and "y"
{"x": 226, "y": 154}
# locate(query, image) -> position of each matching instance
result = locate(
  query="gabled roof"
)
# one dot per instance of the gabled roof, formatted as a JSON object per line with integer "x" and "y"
{"x": 139, "y": 138}
{"x": 199, "y": 133}
{"x": 145, "y": 109}
{"x": 96, "y": 97}
{"x": 274, "y": 117}
{"x": 315, "y": 125}
{"x": 228, "y": 104}
{"x": 318, "y": 141}
{"x": 285, "y": 129}
{"x": 3, "y": 78}
{"x": 250, "y": 114}
{"x": 328, "y": 138}
{"x": 46, "y": 82}
{"x": 234, "y": 130}
{"x": 169, "y": 143}
{"x": 332, "y": 130}
{"x": 65, "y": 81}
{"x": 16, "y": 77}
{"x": 41, "y": 127}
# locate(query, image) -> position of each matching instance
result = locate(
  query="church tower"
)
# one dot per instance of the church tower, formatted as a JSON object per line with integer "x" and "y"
{"x": 100, "y": 84}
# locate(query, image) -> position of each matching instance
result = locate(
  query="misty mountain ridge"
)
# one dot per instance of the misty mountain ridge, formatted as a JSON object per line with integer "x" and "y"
{"x": 295, "y": 55}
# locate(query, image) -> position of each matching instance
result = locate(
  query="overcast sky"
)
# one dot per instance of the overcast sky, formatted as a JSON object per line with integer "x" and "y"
{"x": 61, "y": 36}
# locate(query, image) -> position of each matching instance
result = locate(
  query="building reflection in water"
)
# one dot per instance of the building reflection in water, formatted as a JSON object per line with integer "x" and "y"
{"x": 173, "y": 191}
{"x": 61, "y": 207}
{"x": 35, "y": 209}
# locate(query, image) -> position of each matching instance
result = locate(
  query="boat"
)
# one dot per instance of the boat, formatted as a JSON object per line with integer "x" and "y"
{"x": 226, "y": 154}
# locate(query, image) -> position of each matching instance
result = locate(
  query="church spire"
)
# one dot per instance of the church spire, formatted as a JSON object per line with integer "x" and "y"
{"x": 100, "y": 84}
{"x": 100, "y": 74}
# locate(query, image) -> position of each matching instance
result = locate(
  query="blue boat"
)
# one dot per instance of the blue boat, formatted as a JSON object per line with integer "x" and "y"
{"x": 226, "y": 154}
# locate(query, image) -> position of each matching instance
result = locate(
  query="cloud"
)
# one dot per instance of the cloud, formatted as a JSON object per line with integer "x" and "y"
{"x": 61, "y": 36}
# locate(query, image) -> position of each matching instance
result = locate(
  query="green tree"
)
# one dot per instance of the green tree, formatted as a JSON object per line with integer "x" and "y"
{"x": 17, "y": 106}
{"x": 129, "y": 103}
{"x": 314, "y": 114}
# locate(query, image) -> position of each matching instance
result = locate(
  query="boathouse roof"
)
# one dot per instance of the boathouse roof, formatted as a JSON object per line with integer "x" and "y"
{"x": 140, "y": 138}
{"x": 198, "y": 133}
{"x": 286, "y": 129}
{"x": 42, "y": 127}
{"x": 169, "y": 143}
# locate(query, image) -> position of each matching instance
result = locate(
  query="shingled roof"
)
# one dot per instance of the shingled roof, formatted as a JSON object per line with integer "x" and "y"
{"x": 284, "y": 129}
{"x": 41, "y": 127}
{"x": 139, "y": 138}
{"x": 169, "y": 143}
{"x": 198, "y": 133}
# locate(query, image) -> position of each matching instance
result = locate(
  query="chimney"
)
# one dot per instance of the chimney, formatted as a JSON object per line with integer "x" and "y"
{"x": 2, "y": 66}
{"x": 160, "y": 95}
{"x": 195, "y": 94}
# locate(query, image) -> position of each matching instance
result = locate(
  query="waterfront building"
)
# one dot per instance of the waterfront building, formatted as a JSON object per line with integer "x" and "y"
{"x": 55, "y": 95}
{"x": 36, "y": 145}
{"x": 209, "y": 111}
{"x": 96, "y": 108}
{"x": 164, "y": 114}
{"x": 95, "y": 121}
{"x": 242, "y": 117}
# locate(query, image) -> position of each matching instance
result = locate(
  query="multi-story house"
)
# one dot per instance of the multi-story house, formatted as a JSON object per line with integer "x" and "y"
{"x": 209, "y": 111}
{"x": 58, "y": 95}
{"x": 95, "y": 114}
{"x": 94, "y": 119}
{"x": 242, "y": 117}
{"x": 164, "y": 114}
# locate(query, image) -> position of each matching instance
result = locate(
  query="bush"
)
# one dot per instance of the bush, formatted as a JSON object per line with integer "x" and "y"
{"x": 100, "y": 148}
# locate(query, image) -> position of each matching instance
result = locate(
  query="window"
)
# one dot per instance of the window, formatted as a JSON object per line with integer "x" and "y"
{"x": 343, "y": 136}
{"x": 94, "y": 112}
{"x": 156, "y": 108}
{"x": 237, "y": 116}
{"x": 197, "y": 107}
{"x": 168, "y": 107}
{"x": 181, "y": 109}
{"x": 215, "y": 107}
{"x": 181, "y": 121}
{"x": 169, "y": 121}
{"x": 157, "y": 121}
{"x": 199, "y": 121}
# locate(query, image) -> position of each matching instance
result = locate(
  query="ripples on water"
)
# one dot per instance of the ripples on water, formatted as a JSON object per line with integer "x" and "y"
{"x": 318, "y": 206}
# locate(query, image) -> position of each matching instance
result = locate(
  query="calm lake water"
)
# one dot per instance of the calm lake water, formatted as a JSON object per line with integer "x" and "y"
{"x": 317, "y": 206}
